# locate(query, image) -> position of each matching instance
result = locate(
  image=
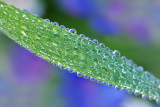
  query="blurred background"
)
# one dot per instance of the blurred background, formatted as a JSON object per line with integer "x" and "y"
{"x": 132, "y": 27}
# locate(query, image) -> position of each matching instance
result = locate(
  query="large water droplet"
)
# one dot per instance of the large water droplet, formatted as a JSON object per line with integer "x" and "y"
{"x": 85, "y": 76}
{"x": 79, "y": 74}
{"x": 117, "y": 87}
{"x": 144, "y": 96}
{"x": 136, "y": 93}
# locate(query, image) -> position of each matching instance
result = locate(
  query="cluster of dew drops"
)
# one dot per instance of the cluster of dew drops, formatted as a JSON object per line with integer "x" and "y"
{"x": 116, "y": 52}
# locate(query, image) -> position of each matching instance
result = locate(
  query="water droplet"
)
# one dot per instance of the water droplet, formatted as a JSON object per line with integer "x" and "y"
{"x": 92, "y": 79}
{"x": 123, "y": 89}
{"x": 25, "y": 10}
{"x": 70, "y": 70}
{"x": 2, "y": 5}
{"x": 116, "y": 63}
{"x": 136, "y": 93}
{"x": 144, "y": 96}
{"x": 67, "y": 29}
{"x": 17, "y": 12}
{"x": 62, "y": 26}
{"x": 99, "y": 82}
{"x": 117, "y": 53}
{"x": 117, "y": 87}
{"x": 124, "y": 71}
{"x": 130, "y": 61}
{"x": 130, "y": 92}
{"x": 135, "y": 82}
{"x": 110, "y": 66}
{"x": 124, "y": 58}
{"x": 87, "y": 38}
{"x": 122, "y": 75}
{"x": 79, "y": 74}
{"x": 101, "y": 44}
{"x": 110, "y": 85}
{"x": 55, "y": 23}
{"x": 55, "y": 64}
{"x": 62, "y": 67}
{"x": 81, "y": 35}
{"x": 104, "y": 83}
{"x": 85, "y": 76}
{"x": 95, "y": 41}
{"x": 140, "y": 68}
{"x": 151, "y": 98}
{"x": 107, "y": 48}
{"x": 73, "y": 31}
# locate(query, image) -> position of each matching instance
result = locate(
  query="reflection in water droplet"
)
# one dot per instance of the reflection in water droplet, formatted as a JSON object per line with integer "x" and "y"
{"x": 158, "y": 101}
{"x": 136, "y": 93}
{"x": 123, "y": 89}
{"x": 117, "y": 87}
{"x": 110, "y": 85}
{"x": 151, "y": 98}
{"x": 85, "y": 76}
{"x": 130, "y": 91}
{"x": 92, "y": 79}
{"x": 79, "y": 74}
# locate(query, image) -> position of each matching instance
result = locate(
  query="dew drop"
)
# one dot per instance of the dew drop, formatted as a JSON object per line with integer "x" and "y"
{"x": 130, "y": 61}
{"x": 79, "y": 74}
{"x": 24, "y": 15}
{"x": 73, "y": 31}
{"x": 124, "y": 71}
{"x": 110, "y": 85}
{"x": 104, "y": 83}
{"x": 25, "y": 10}
{"x": 81, "y": 35}
{"x": 130, "y": 92}
{"x": 140, "y": 68}
{"x": 87, "y": 38}
{"x": 107, "y": 48}
{"x": 55, "y": 23}
{"x": 70, "y": 70}
{"x": 122, "y": 75}
{"x": 92, "y": 79}
{"x": 17, "y": 12}
{"x": 101, "y": 44}
{"x": 117, "y": 87}
{"x": 62, "y": 26}
{"x": 2, "y": 5}
{"x": 124, "y": 58}
{"x": 96, "y": 41}
{"x": 117, "y": 53}
{"x": 99, "y": 82}
{"x": 85, "y": 76}
{"x": 144, "y": 96}
{"x": 55, "y": 64}
{"x": 151, "y": 98}
{"x": 110, "y": 66}
{"x": 123, "y": 89}
{"x": 67, "y": 29}
{"x": 47, "y": 20}
{"x": 136, "y": 93}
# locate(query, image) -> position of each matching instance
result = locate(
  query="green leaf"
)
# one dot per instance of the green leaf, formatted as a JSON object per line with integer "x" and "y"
{"x": 77, "y": 53}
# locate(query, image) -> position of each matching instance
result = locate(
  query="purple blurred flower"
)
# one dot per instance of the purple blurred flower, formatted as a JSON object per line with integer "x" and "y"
{"x": 80, "y": 92}
{"x": 79, "y": 8}
{"x": 28, "y": 68}
{"x": 136, "y": 18}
